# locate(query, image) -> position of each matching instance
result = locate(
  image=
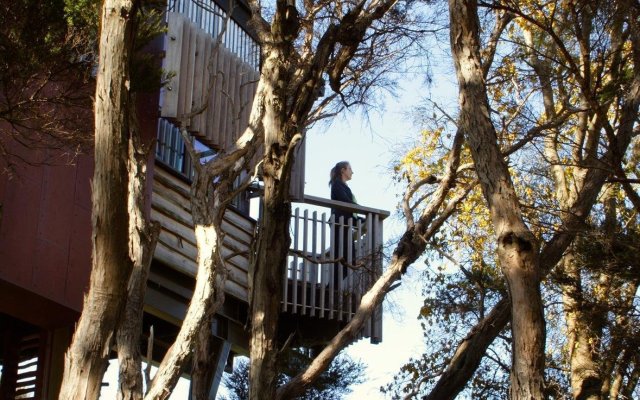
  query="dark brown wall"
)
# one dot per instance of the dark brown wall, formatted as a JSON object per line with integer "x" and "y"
{"x": 45, "y": 229}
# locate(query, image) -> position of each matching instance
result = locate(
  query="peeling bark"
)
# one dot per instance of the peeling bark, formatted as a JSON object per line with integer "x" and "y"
{"x": 209, "y": 282}
{"x": 87, "y": 358}
{"x": 203, "y": 362}
{"x": 273, "y": 242}
{"x": 143, "y": 237}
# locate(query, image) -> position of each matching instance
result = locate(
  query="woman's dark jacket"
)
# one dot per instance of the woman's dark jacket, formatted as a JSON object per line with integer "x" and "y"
{"x": 341, "y": 192}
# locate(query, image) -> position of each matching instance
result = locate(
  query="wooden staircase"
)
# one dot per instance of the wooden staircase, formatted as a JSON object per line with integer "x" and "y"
{"x": 22, "y": 366}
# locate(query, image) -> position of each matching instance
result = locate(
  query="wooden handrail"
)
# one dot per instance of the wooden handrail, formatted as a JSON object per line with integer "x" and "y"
{"x": 356, "y": 208}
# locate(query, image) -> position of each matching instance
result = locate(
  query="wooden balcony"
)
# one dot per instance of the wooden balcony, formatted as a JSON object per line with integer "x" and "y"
{"x": 205, "y": 74}
{"x": 320, "y": 294}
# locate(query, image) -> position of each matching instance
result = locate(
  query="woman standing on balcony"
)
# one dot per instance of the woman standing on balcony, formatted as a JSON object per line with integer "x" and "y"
{"x": 340, "y": 174}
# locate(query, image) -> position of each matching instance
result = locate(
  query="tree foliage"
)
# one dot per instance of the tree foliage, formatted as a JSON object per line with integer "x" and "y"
{"x": 45, "y": 79}
{"x": 563, "y": 88}
{"x": 334, "y": 383}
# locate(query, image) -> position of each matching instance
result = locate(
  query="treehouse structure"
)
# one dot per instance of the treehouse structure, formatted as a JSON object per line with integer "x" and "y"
{"x": 45, "y": 225}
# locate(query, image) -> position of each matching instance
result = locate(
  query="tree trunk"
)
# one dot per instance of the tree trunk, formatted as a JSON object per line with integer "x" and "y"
{"x": 87, "y": 358}
{"x": 266, "y": 283}
{"x": 517, "y": 247}
{"x": 203, "y": 362}
{"x": 271, "y": 258}
{"x": 272, "y": 247}
{"x": 207, "y": 295}
{"x": 143, "y": 237}
{"x": 585, "y": 379}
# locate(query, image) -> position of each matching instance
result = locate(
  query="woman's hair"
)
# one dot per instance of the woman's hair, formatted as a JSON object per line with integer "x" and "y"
{"x": 336, "y": 171}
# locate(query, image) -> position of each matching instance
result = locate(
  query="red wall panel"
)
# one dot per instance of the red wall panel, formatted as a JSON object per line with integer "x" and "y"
{"x": 45, "y": 232}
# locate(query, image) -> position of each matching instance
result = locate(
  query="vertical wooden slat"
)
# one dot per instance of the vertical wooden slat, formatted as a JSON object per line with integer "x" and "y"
{"x": 191, "y": 69}
{"x": 358, "y": 274}
{"x": 227, "y": 109}
{"x": 305, "y": 263}
{"x": 185, "y": 79}
{"x": 340, "y": 289}
{"x": 285, "y": 288}
{"x": 223, "y": 77}
{"x": 315, "y": 267}
{"x": 179, "y": 163}
{"x": 332, "y": 269}
{"x": 350, "y": 261}
{"x": 210, "y": 129}
{"x": 173, "y": 154}
{"x": 198, "y": 78}
{"x": 236, "y": 104}
{"x": 324, "y": 266}
{"x": 243, "y": 99}
{"x": 377, "y": 328}
{"x": 248, "y": 90}
{"x": 172, "y": 61}
{"x": 167, "y": 143}
{"x": 204, "y": 92}
{"x": 370, "y": 276}
{"x": 219, "y": 99}
{"x": 294, "y": 280}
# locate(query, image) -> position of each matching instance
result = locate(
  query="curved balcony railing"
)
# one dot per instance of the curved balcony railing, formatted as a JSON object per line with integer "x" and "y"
{"x": 332, "y": 263}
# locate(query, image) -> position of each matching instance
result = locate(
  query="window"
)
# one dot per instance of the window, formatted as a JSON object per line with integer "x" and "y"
{"x": 170, "y": 149}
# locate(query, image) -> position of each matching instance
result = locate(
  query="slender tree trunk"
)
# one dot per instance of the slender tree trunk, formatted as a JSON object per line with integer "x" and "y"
{"x": 203, "y": 362}
{"x": 517, "y": 247}
{"x": 585, "y": 376}
{"x": 87, "y": 358}
{"x": 267, "y": 293}
{"x": 266, "y": 274}
{"x": 143, "y": 237}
